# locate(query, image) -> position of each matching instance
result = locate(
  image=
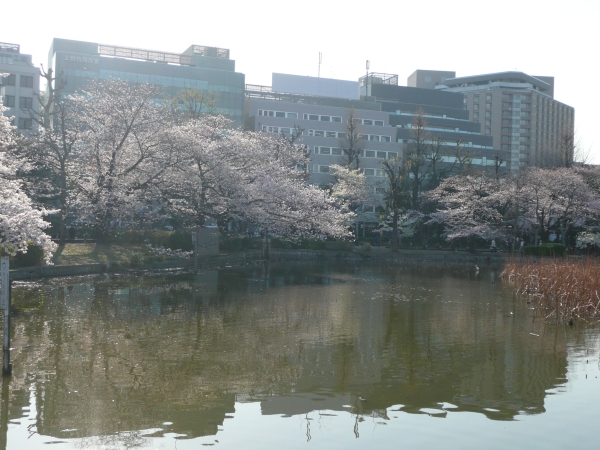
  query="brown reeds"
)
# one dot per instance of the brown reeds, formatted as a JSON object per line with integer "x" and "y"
{"x": 559, "y": 288}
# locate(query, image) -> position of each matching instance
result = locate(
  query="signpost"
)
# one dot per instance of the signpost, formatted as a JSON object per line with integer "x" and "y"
{"x": 5, "y": 304}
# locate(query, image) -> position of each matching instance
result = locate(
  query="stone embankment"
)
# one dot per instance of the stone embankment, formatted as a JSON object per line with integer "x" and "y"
{"x": 238, "y": 259}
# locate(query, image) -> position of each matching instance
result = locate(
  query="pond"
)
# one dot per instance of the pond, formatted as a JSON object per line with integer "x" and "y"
{"x": 320, "y": 355}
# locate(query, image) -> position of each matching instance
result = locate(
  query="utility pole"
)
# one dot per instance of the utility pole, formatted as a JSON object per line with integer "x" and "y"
{"x": 5, "y": 304}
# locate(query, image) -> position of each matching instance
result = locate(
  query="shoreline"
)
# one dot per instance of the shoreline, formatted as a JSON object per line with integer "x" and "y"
{"x": 240, "y": 259}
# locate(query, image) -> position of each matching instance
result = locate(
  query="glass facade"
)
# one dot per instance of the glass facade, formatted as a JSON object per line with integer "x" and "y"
{"x": 79, "y": 68}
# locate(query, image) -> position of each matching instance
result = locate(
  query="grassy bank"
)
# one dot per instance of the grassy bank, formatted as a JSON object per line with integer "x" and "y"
{"x": 561, "y": 289}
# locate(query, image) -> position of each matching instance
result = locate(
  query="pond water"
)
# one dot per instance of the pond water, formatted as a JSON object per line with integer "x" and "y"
{"x": 306, "y": 355}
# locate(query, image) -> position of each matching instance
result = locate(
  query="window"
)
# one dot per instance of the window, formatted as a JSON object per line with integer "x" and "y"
{"x": 9, "y": 101}
{"x": 325, "y": 118}
{"x": 382, "y": 155}
{"x": 336, "y": 119}
{"x": 369, "y": 172}
{"x": 488, "y": 114}
{"x": 291, "y": 115}
{"x": 26, "y": 81}
{"x": 476, "y": 106}
{"x": 476, "y": 115}
{"x": 279, "y": 114}
{"x": 370, "y": 154}
{"x": 25, "y": 102}
{"x": 506, "y": 130}
{"x": 10, "y": 80}
{"x": 488, "y": 97}
{"x": 336, "y": 151}
{"x": 488, "y": 122}
{"x": 321, "y": 169}
{"x": 24, "y": 124}
{"x": 392, "y": 155}
{"x": 488, "y": 131}
{"x": 488, "y": 106}
{"x": 331, "y": 134}
{"x": 367, "y": 122}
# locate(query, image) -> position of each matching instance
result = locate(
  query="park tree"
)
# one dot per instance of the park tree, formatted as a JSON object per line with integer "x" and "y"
{"x": 471, "y": 207}
{"x": 415, "y": 156}
{"x": 226, "y": 174}
{"x": 557, "y": 199}
{"x": 353, "y": 143}
{"x": 399, "y": 214}
{"x": 52, "y": 147}
{"x": 20, "y": 221}
{"x": 123, "y": 151}
{"x": 194, "y": 103}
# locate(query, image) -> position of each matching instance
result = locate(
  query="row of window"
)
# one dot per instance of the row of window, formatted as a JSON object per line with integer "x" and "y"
{"x": 378, "y": 154}
{"x": 282, "y": 114}
{"x": 336, "y": 151}
{"x": 329, "y": 134}
{"x": 11, "y": 80}
{"x": 319, "y": 150}
{"x": 322, "y": 118}
{"x": 319, "y": 168}
{"x": 279, "y": 130}
{"x": 24, "y": 102}
{"x": 376, "y": 137}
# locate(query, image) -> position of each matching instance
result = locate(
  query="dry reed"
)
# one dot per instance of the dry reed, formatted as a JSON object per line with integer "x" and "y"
{"x": 558, "y": 288}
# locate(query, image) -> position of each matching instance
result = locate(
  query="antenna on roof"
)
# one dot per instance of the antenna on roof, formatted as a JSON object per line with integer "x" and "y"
{"x": 320, "y": 61}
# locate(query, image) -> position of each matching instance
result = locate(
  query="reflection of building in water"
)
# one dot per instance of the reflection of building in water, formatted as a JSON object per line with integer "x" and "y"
{"x": 131, "y": 354}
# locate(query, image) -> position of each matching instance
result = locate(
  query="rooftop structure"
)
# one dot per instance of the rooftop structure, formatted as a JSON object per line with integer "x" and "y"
{"x": 205, "y": 68}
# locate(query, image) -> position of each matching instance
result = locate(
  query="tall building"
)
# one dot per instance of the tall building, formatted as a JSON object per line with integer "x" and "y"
{"x": 207, "y": 69}
{"x": 19, "y": 86}
{"x": 518, "y": 110}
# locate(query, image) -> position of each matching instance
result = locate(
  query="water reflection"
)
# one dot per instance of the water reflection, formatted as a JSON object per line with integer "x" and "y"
{"x": 102, "y": 357}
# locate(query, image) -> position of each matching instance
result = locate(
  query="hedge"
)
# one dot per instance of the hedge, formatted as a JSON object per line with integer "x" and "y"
{"x": 549, "y": 249}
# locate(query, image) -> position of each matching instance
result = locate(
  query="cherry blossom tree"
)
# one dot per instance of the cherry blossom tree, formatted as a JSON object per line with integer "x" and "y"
{"x": 123, "y": 151}
{"x": 227, "y": 174}
{"x": 557, "y": 199}
{"x": 20, "y": 222}
{"x": 471, "y": 206}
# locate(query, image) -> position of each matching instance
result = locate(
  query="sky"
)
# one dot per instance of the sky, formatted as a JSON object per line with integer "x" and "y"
{"x": 539, "y": 37}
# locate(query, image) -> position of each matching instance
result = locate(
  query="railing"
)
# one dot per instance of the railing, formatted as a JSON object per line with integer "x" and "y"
{"x": 213, "y": 52}
{"x": 146, "y": 55}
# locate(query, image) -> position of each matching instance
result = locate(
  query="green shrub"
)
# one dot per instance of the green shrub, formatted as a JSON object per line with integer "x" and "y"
{"x": 33, "y": 257}
{"x": 339, "y": 246}
{"x": 280, "y": 243}
{"x": 179, "y": 240}
{"x": 230, "y": 244}
{"x": 549, "y": 249}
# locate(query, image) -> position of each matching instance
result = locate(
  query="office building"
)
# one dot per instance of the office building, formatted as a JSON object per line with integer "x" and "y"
{"x": 445, "y": 122}
{"x": 320, "y": 107}
{"x": 19, "y": 87}
{"x": 208, "y": 69}
{"x": 518, "y": 110}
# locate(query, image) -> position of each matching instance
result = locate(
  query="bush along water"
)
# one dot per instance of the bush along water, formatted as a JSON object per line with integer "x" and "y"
{"x": 560, "y": 289}
{"x": 549, "y": 249}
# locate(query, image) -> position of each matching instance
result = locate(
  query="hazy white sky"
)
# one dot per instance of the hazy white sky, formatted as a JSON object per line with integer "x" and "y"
{"x": 540, "y": 37}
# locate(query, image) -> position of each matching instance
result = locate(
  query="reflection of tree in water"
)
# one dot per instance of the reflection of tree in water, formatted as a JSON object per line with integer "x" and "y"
{"x": 125, "y": 354}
